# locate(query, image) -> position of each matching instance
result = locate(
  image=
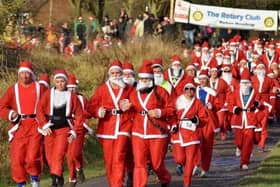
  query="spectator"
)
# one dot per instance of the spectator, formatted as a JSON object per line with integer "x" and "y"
{"x": 121, "y": 28}
{"x": 66, "y": 33}
{"x": 188, "y": 30}
{"x": 214, "y": 40}
{"x": 81, "y": 32}
{"x": 148, "y": 24}
{"x": 124, "y": 15}
{"x": 93, "y": 27}
{"x": 139, "y": 27}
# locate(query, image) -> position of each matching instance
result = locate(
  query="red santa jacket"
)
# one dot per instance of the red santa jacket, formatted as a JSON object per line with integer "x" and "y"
{"x": 247, "y": 117}
{"x": 179, "y": 85}
{"x": 202, "y": 64}
{"x": 114, "y": 123}
{"x": 148, "y": 127}
{"x": 223, "y": 90}
{"x": 268, "y": 61}
{"x": 265, "y": 90}
{"x": 84, "y": 103}
{"x": 73, "y": 109}
{"x": 11, "y": 101}
{"x": 184, "y": 110}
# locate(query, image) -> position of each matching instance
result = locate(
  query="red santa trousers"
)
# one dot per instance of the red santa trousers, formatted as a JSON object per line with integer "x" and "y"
{"x": 129, "y": 157}
{"x": 178, "y": 153}
{"x": 244, "y": 140}
{"x": 222, "y": 121}
{"x": 262, "y": 117}
{"x": 75, "y": 155}
{"x": 206, "y": 148}
{"x": 56, "y": 147}
{"x": 156, "y": 148}
{"x": 190, "y": 152}
{"x": 114, "y": 154}
{"x": 25, "y": 154}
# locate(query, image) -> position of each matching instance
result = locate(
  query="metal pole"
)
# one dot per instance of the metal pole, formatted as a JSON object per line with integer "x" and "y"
{"x": 50, "y": 11}
{"x": 171, "y": 16}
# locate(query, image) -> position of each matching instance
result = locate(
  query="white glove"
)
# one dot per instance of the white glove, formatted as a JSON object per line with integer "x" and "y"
{"x": 101, "y": 112}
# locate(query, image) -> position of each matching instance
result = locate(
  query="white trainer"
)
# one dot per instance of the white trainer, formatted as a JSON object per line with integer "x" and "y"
{"x": 35, "y": 184}
{"x": 245, "y": 167}
{"x": 203, "y": 173}
{"x": 237, "y": 152}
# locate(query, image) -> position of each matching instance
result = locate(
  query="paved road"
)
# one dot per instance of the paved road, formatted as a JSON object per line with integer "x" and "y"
{"x": 224, "y": 171}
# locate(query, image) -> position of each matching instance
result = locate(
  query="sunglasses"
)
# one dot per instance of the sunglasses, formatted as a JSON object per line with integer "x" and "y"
{"x": 226, "y": 71}
{"x": 192, "y": 89}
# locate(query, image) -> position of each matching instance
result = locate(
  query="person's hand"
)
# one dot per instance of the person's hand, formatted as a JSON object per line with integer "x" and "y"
{"x": 155, "y": 113}
{"x": 237, "y": 110}
{"x": 194, "y": 119}
{"x": 173, "y": 129}
{"x": 70, "y": 138}
{"x": 101, "y": 112}
{"x": 47, "y": 131}
{"x": 125, "y": 105}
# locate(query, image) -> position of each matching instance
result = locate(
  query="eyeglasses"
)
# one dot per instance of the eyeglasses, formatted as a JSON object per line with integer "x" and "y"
{"x": 192, "y": 89}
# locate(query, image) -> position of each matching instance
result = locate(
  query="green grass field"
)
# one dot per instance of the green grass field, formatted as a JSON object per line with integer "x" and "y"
{"x": 268, "y": 173}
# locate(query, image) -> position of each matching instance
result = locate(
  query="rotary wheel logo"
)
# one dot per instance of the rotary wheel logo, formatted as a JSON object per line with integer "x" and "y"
{"x": 268, "y": 22}
{"x": 197, "y": 15}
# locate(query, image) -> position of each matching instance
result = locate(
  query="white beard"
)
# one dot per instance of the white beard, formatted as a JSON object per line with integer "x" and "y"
{"x": 158, "y": 79}
{"x": 144, "y": 85}
{"x": 259, "y": 51}
{"x": 260, "y": 74}
{"x": 245, "y": 89}
{"x": 129, "y": 80}
{"x": 227, "y": 77}
{"x": 118, "y": 81}
{"x": 176, "y": 71}
{"x": 270, "y": 52}
{"x": 198, "y": 53}
{"x": 205, "y": 57}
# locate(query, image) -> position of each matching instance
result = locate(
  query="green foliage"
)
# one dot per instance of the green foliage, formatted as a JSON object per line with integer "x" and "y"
{"x": 267, "y": 173}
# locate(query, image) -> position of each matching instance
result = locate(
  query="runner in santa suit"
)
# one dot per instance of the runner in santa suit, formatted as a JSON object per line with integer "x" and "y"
{"x": 191, "y": 115}
{"x": 151, "y": 107}
{"x": 207, "y": 96}
{"x": 44, "y": 81}
{"x": 222, "y": 90}
{"x": 236, "y": 53}
{"x": 109, "y": 104}
{"x": 243, "y": 104}
{"x": 75, "y": 149}
{"x": 129, "y": 74}
{"x": 270, "y": 56}
{"x": 206, "y": 59}
{"x": 25, "y": 141}
{"x": 56, "y": 111}
{"x": 175, "y": 74}
{"x": 264, "y": 86}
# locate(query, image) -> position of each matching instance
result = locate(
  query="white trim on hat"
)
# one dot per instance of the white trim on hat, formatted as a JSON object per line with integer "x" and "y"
{"x": 190, "y": 66}
{"x": 115, "y": 67}
{"x": 176, "y": 62}
{"x": 128, "y": 71}
{"x": 203, "y": 76}
{"x": 44, "y": 83}
{"x": 189, "y": 85}
{"x": 158, "y": 65}
{"x": 244, "y": 80}
{"x": 212, "y": 69}
{"x": 22, "y": 69}
{"x": 261, "y": 64}
{"x": 145, "y": 75}
{"x": 60, "y": 75}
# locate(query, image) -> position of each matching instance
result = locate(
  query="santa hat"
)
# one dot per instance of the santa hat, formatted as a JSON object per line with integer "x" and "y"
{"x": 255, "y": 54}
{"x": 128, "y": 67}
{"x": 72, "y": 81}
{"x": 271, "y": 43}
{"x": 259, "y": 44}
{"x": 157, "y": 62}
{"x": 25, "y": 66}
{"x": 190, "y": 67}
{"x": 260, "y": 64}
{"x": 189, "y": 83}
{"x": 213, "y": 67}
{"x": 232, "y": 41}
{"x": 245, "y": 75}
{"x": 237, "y": 38}
{"x": 197, "y": 46}
{"x": 205, "y": 45}
{"x": 278, "y": 42}
{"x": 116, "y": 64}
{"x": 203, "y": 74}
{"x": 146, "y": 70}
{"x": 227, "y": 54}
{"x": 218, "y": 52}
{"x": 175, "y": 59}
{"x": 60, "y": 73}
{"x": 226, "y": 66}
{"x": 44, "y": 79}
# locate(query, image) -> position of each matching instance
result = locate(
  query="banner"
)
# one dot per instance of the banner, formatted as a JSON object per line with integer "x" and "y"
{"x": 181, "y": 13}
{"x": 223, "y": 17}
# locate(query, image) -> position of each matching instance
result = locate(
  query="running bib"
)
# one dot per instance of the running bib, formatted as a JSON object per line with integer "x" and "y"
{"x": 187, "y": 124}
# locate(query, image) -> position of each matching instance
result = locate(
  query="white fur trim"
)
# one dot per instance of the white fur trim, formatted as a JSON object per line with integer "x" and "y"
{"x": 189, "y": 85}
{"x": 44, "y": 83}
{"x": 258, "y": 129}
{"x": 203, "y": 76}
{"x": 90, "y": 131}
{"x": 115, "y": 67}
{"x": 210, "y": 91}
{"x": 217, "y": 130}
{"x": 175, "y": 62}
{"x": 269, "y": 106}
{"x": 128, "y": 71}
{"x": 150, "y": 136}
{"x": 60, "y": 75}
{"x": 72, "y": 86}
{"x": 22, "y": 69}
{"x": 145, "y": 75}
{"x": 10, "y": 116}
{"x": 47, "y": 125}
{"x": 73, "y": 133}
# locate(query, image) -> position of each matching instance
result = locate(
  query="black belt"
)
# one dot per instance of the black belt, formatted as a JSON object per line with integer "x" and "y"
{"x": 26, "y": 116}
{"x": 59, "y": 117}
{"x": 143, "y": 112}
{"x": 249, "y": 109}
{"x": 154, "y": 124}
{"x": 114, "y": 111}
